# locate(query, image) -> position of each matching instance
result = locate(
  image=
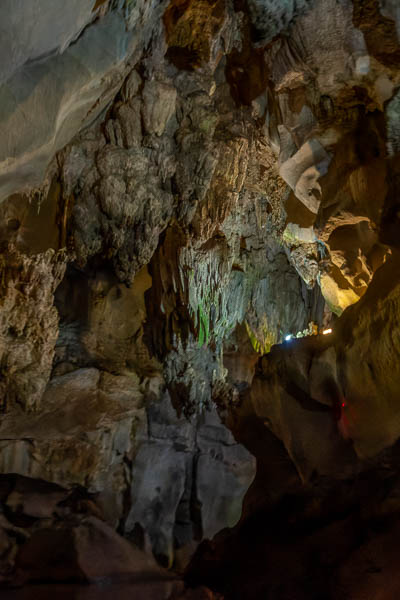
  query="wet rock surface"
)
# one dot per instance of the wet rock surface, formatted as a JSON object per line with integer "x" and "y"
{"x": 191, "y": 192}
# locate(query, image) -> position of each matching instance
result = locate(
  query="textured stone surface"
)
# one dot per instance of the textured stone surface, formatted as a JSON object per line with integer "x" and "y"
{"x": 210, "y": 474}
{"x": 347, "y": 384}
{"x": 36, "y": 29}
{"x": 187, "y": 185}
{"x": 29, "y": 325}
{"x": 59, "y": 78}
{"x": 90, "y": 550}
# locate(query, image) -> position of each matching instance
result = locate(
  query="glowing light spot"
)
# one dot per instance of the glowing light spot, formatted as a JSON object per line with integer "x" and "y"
{"x": 288, "y": 337}
{"x": 343, "y": 404}
{"x": 326, "y": 331}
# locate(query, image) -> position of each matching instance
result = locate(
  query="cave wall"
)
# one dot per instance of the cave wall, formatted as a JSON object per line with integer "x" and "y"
{"x": 183, "y": 185}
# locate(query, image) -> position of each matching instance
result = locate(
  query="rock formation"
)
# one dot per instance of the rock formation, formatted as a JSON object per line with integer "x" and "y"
{"x": 192, "y": 193}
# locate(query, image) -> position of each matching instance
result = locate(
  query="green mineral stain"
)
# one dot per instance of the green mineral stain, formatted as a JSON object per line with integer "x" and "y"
{"x": 204, "y": 327}
{"x": 264, "y": 345}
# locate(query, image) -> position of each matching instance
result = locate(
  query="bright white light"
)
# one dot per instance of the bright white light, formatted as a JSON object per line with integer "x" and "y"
{"x": 288, "y": 337}
{"x": 326, "y": 331}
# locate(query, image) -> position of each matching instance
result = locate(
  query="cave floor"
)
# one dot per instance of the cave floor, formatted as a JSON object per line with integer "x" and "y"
{"x": 158, "y": 590}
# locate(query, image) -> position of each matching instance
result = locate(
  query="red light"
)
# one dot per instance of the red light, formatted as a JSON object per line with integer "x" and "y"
{"x": 343, "y": 404}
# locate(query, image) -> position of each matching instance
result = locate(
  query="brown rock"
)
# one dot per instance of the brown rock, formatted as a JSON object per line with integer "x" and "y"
{"x": 87, "y": 551}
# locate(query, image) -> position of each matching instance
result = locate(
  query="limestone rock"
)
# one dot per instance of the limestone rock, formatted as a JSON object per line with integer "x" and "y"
{"x": 368, "y": 571}
{"x": 39, "y": 29}
{"x": 89, "y": 70}
{"x": 187, "y": 185}
{"x": 28, "y": 325}
{"x": 159, "y": 106}
{"x": 190, "y": 30}
{"x": 336, "y": 386}
{"x": 88, "y": 551}
{"x": 85, "y": 425}
{"x": 210, "y": 474}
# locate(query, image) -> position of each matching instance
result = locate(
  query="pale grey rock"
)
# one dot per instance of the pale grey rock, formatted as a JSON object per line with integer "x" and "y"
{"x": 85, "y": 427}
{"x": 330, "y": 51}
{"x": 159, "y": 101}
{"x": 190, "y": 371}
{"x": 154, "y": 500}
{"x": 223, "y": 471}
{"x": 93, "y": 424}
{"x": 129, "y": 118}
{"x": 305, "y": 262}
{"x": 393, "y": 124}
{"x": 189, "y": 478}
{"x": 58, "y": 96}
{"x": 131, "y": 86}
{"x": 303, "y": 170}
{"x": 124, "y": 211}
{"x": 271, "y": 17}
{"x": 32, "y": 30}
